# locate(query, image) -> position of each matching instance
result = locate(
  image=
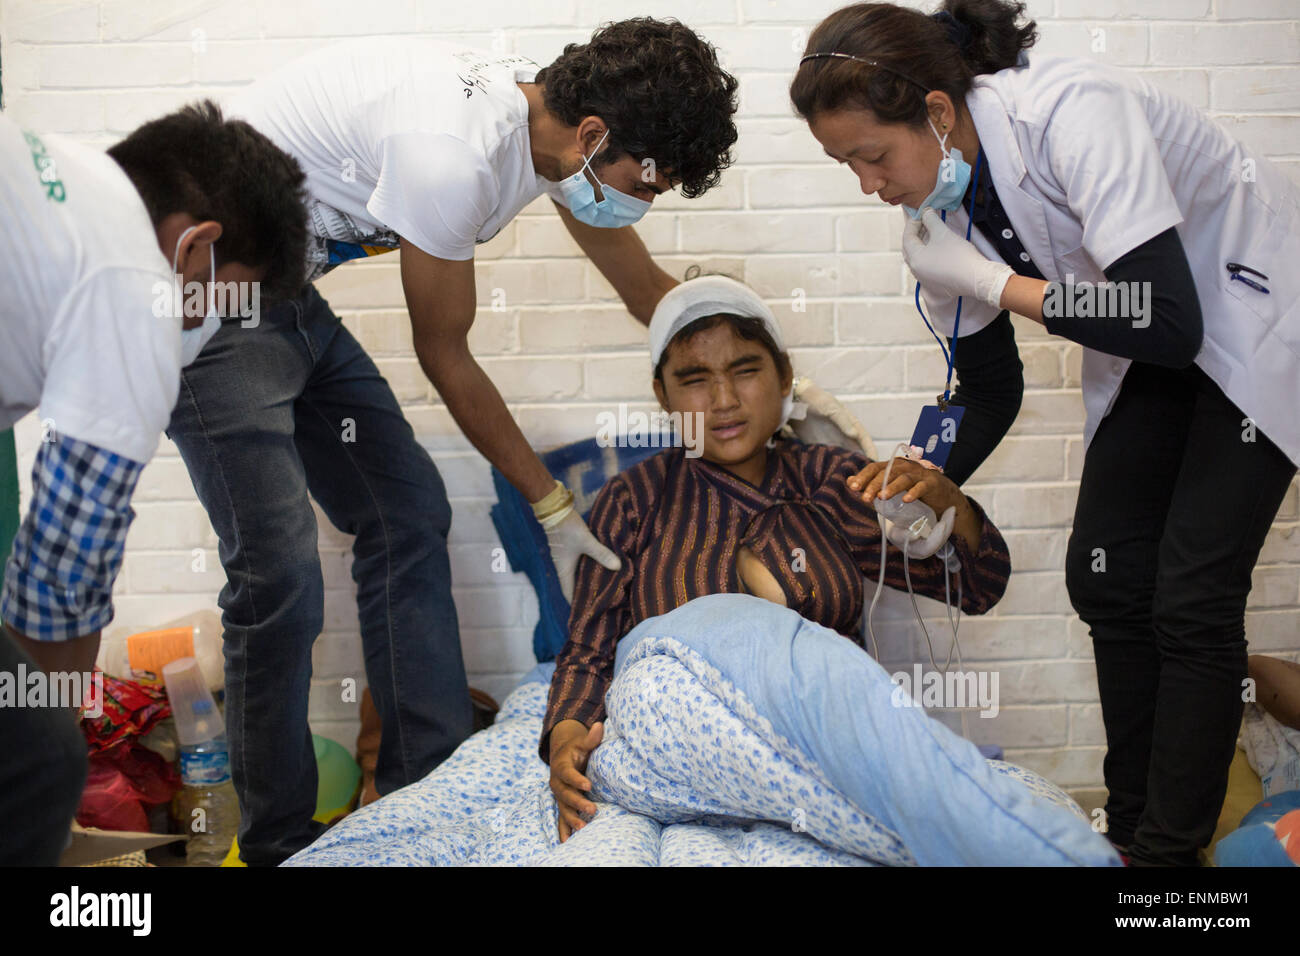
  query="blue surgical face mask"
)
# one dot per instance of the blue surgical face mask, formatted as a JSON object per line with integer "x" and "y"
{"x": 615, "y": 210}
{"x": 951, "y": 181}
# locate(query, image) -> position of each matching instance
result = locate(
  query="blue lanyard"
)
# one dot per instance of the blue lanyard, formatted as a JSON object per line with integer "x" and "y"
{"x": 951, "y": 350}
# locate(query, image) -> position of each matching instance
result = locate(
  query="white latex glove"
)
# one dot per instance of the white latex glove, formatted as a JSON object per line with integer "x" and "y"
{"x": 945, "y": 262}
{"x": 570, "y": 539}
{"x": 826, "y": 421}
{"x": 922, "y": 547}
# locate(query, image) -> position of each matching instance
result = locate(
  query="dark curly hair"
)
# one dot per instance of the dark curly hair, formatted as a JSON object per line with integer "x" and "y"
{"x": 196, "y": 161}
{"x": 660, "y": 90}
{"x": 915, "y": 52}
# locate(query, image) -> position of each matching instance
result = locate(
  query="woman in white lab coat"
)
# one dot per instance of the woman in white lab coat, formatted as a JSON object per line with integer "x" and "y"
{"x": 1035, "y": 179}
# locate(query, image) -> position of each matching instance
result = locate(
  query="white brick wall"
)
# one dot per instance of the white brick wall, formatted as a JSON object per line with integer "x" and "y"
{"x": 784, "y": 218}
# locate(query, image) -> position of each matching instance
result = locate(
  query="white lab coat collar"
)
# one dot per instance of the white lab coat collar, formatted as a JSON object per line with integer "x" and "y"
{"x": 1007, "y": 166}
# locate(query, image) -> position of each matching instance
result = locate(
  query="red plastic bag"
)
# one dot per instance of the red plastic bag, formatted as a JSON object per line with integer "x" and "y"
{"x": 122, "y": 783}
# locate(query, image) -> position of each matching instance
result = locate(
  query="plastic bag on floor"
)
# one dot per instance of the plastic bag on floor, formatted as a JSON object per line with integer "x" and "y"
{"x": 125, "y": 778}
{"x": 123, "y": 782}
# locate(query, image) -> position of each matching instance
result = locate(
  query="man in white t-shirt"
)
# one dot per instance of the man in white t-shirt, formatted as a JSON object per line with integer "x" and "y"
{"x": 428, "y": 148}
{"x": 94, "y": 331}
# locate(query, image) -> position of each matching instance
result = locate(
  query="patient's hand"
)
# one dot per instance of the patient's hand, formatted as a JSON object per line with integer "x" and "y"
{"x": 571, "y": 745}
{"x": 916, "y": 481}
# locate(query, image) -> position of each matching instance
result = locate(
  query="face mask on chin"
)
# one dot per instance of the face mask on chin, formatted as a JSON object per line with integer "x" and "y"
{"x": 951, "y": 180}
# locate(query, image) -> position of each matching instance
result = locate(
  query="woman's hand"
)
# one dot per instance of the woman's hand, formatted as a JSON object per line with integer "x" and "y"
{"x": 914, "y": 481}
{"x": 944, "y": 261}
{"x": 571, "y": 745}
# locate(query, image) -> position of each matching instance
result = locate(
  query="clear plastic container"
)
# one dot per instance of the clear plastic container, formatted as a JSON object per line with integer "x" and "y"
{"x": 206, "y": 805}
{"x": 207, "y": 636}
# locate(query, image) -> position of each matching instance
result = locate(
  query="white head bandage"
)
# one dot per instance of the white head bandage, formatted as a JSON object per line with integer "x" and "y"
{"x": 711, "y": 295}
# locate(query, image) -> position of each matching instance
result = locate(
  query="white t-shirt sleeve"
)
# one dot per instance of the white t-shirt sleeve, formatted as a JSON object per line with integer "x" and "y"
{"x": 1103, "y": 154}
{"x": 435, "y": 191}
{"x": 112, "y": 366}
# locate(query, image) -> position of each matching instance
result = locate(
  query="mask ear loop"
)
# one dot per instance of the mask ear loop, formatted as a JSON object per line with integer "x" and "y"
{"x": 211, "y": 299}
{"x": 210, "y": 286}
{"x": 176, "y": 255}
{"x": 586, "y": 160}
{"x": 943, "y": 140}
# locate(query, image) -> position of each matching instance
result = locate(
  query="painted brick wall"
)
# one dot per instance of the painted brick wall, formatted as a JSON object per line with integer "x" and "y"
{"x": 561, "y": 348}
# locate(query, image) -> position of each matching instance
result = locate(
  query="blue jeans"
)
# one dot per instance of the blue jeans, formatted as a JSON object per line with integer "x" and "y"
{"x": 267, "y": 415}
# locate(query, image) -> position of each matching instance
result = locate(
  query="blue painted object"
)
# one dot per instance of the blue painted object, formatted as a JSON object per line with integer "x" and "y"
{"x": 584, "y": 467}
{"x": 1269, "y": 835}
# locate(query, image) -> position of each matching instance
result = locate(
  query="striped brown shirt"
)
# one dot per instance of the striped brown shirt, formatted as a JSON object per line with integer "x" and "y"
{"x": 677, "y": 524}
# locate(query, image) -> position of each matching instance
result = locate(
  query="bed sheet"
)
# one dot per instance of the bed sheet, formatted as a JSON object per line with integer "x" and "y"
{"x": 716, "y": 753}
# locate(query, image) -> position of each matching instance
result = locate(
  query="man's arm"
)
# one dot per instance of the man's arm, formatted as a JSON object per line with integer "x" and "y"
{"x": 624, "y": 261}
{"x": 58, "y": 586}
{"x": 441, "y": 299}
{"x": 74, "y": 656}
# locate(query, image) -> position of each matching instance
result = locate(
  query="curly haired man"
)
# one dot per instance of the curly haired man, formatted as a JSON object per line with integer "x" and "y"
{"x": 428, "y": 148}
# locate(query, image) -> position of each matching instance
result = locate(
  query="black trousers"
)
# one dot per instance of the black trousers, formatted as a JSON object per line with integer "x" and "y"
{"x": 42, "y": 773}
{"x": 1174, "y": 503}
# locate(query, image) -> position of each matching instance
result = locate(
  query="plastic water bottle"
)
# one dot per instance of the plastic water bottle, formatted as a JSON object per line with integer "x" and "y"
{"x": 207, "y": 805}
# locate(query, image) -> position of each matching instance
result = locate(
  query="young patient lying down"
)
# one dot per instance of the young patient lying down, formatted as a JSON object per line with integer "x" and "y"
{"x": 773, "y": 517}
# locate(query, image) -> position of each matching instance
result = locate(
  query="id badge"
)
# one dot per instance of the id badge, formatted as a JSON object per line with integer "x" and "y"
{"x": 936, "y": 432}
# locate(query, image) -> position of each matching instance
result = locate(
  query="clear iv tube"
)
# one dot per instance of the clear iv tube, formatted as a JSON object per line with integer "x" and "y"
{"x": 880, "y": 583}
{"x": 947, "y": 598}
{"x": 947, "y": 552}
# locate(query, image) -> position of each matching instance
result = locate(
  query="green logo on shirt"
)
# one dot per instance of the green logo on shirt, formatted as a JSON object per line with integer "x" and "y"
{"x": 44, "y": 163}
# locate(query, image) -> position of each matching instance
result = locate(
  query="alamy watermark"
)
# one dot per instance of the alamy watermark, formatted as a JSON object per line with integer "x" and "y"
{"x": 63, "y": 689}
{"x": 658, "y": 429}
{"x": 953, "y": 688}
{"x": 229, "y": 299}
{"x": 75, "y": 908}
{"x": 1109, "y": 300}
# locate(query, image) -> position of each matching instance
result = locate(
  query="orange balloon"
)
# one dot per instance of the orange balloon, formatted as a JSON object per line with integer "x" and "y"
{"x": 1288, "y": 834}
